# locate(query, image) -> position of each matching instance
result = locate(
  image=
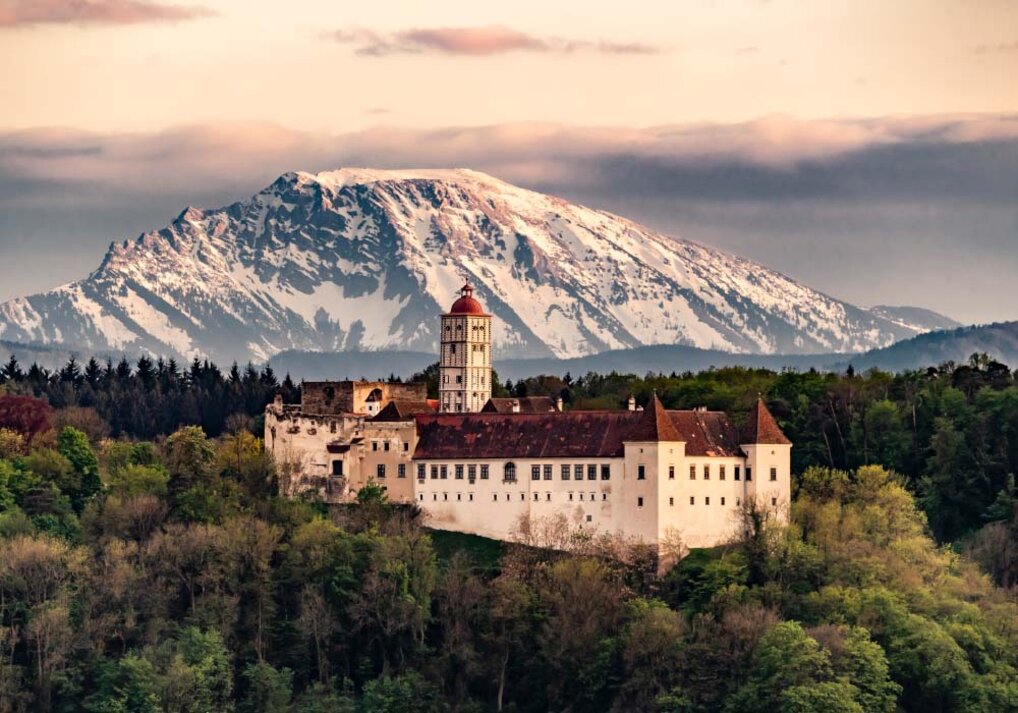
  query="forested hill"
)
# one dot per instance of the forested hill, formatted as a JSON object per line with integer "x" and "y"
{"x": 999, "y": 340}
{"x": 145, "y": 566}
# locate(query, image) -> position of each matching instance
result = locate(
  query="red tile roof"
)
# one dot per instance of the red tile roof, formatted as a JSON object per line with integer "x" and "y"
{"x": 403, "y": 410}
{"x": 573, "y": 434}
{"x": 762, "y": 428}
{"x": 528, "y": 404}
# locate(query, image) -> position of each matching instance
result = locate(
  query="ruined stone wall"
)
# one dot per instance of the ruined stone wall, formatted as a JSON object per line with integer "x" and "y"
{"x": 338, "y": 397}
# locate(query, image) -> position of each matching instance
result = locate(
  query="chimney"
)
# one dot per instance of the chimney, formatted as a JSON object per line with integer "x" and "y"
{"x": 558, "y": 404}
{"x": 516, "y": 406}
{"x": 632, "y": 402}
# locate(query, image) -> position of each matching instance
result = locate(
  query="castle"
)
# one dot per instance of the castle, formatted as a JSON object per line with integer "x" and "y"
{"x": 480, "y": 465}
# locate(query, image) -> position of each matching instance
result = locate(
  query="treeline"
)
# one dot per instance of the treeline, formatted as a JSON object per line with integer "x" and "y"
{"x": 151, "y": 398}
{"x": 169, "y": 576}
{"x": 952, "y": 430}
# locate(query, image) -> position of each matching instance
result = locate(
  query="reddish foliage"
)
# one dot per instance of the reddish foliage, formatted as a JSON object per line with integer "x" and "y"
{"x": 25, "y": 415}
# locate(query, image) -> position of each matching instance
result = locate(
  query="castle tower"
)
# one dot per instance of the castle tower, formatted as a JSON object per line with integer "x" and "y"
{"x": 464, "y": 374}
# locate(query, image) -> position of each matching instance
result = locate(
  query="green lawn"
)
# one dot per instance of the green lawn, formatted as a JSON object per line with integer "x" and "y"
{"x": 483, "y": 552}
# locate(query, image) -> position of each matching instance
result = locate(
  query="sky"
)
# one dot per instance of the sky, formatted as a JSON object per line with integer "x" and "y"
{"x": 866, "y": 148}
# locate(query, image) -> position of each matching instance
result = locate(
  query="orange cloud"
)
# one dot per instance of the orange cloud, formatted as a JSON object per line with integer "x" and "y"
{"x": 17, "y": 13}
{"x": 475, "y": 41}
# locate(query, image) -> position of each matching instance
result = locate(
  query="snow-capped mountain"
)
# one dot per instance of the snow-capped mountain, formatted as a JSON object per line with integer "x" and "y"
{"x": 365, "y": 260}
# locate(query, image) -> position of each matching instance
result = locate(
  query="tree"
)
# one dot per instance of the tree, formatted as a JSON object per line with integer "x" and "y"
{"x": 268, "y": 690}
{"x": 74, "y": 446}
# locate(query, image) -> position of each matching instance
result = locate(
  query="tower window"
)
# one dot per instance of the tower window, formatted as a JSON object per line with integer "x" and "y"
{"x": 671, "y": 472}
{"x": 774, "y": 473}
{"x": 749, "y": 473}
{"x": 738, "y": 472}
{"x": 380, "y": 471}
{"x": 639, "y": 502}
{"x": 641, "y": 472}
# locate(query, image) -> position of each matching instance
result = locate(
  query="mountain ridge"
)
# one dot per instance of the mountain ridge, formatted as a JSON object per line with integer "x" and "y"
{"x": 364, "y": 259}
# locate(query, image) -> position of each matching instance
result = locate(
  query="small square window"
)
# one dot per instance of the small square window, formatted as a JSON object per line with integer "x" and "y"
{"x": 589, "y": 518}
{"x": 385, "y": 446}
{"x": 536, "y": 496}
{"x": 671, "y": 501}
{"x": 406, "y": 446}
{"x": 547, "y": 496}
{"x": 495, "y": 497}
{"x": 374, "y": 445}
{"x": 722, "y": 501}
{"x": 692, "y": 501}
{"x": 459, "y": 496}
{"x": 774, "y": 502}
{"x": 604, "y": 496}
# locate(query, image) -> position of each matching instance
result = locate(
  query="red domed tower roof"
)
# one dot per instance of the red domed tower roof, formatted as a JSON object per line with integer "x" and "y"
{"x": 466, "y": 304}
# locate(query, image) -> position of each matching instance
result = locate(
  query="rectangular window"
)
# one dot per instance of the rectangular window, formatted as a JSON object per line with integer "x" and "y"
{"x": 471, "y": 471}
{"x": 385, "y": 446}
{"x": 332, "y": 426}
{"x": 337, "y": 467}
{"x": 565, "y": 472}
{"x": 671, "y": 472}
{"x": 738, "y": 472}
{"x": 706, "y": 471}
{"x": 692, "y": 501}
{"x": 706, "y": 501}
{"x": 443, "y": 472}
{"x": 570, "y": 496}
{"x": 774, "y": 473}
{"x": 692, "y": 472}
{"x": 535, "y": 472}
{"x": 737, "y": 502}
{"x": 591, "y": 472}
{"x": 639, "y": 502}
{"x": 536, "y": 496}
{"x": 422, "y": 497}
{"x": 459, "y": 471}
{"x": 434, "y": 472}
{"x": 722, "y": 501}
{"x": 420, "y": 471}
{"x": 484, "y": 471}
{"x": 749, "y": 473}
{"x": 406, "y": 446}
{"x": 641, "y": 472}
{"x": 721, "y": 472}
{"x": 547, "y": 496}
{"x": 401, "y": 470}
{"x": 374, "y": 445}
{"x": 606, "y": 472}
{"x": 471, "y": 496}
{"x": 671, "y": 501}
{"x": 547, "y": 472}
{"x": 774, "y": 502}
{"x": 578, "y": 472}
{"x": 495, "y": 497}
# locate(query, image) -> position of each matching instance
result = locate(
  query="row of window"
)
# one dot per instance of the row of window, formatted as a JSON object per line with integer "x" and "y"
{"x": 574, "y": 471}
{"x": 580, "y": 496}
{"x": 400, "y": 470}
{"x": 387, "y": 446}
{"x": 722, "y": 472}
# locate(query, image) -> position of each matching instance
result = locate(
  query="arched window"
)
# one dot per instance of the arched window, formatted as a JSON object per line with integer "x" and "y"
{"x": 510, "y": 472}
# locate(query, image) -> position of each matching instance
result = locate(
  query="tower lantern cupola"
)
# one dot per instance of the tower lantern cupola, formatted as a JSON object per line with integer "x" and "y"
{"x": 465, "y": 359}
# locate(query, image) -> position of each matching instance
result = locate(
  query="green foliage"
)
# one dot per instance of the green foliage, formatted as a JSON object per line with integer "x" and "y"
{"x": 408, "y": 693}
{"x": 74, "y": 446}
{"x": 268, "y": 690}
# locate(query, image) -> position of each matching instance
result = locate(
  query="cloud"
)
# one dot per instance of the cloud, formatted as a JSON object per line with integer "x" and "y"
{"x": 475, "y": 41}
{"x": 23, "y": 13}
